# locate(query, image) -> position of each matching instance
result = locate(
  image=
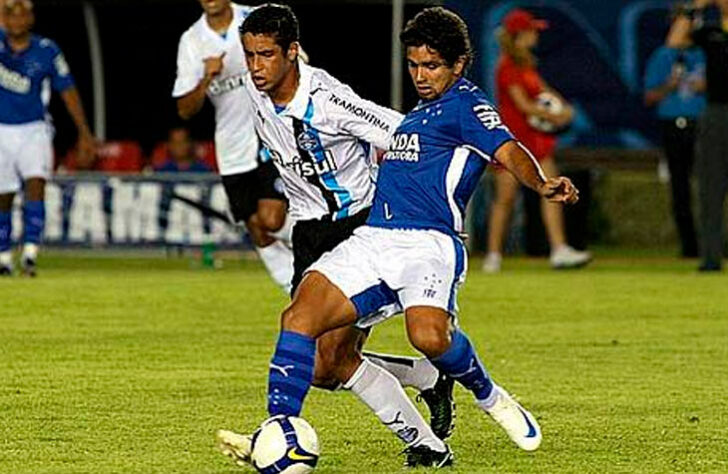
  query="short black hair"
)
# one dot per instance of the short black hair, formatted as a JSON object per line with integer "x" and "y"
{"x": 275, "y": 20}
{"x": 442, "y": 30}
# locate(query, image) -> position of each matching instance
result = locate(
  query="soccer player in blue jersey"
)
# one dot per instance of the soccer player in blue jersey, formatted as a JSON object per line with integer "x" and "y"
{"x": 410, "y": 252}
{"x": 28, "y": 65}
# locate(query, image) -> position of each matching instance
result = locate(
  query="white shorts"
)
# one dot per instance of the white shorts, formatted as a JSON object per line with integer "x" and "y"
{"x": 26, "y": 151}
{"x": 385, "y": 271}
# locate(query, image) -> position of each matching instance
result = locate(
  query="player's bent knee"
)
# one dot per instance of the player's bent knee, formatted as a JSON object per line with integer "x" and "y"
{"x": 271, "y": 219}
{"x": 258, "y": 235}
{"x": 431, "y": 341}
{"x": 297, "y": 318}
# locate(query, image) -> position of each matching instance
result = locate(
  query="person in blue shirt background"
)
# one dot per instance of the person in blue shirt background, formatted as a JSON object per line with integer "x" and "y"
{"x": 29, "y": 64}
{"x": 675, "y": 84}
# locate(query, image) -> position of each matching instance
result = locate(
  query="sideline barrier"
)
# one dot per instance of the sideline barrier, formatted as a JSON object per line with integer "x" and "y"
{"x": 100, "y": 210}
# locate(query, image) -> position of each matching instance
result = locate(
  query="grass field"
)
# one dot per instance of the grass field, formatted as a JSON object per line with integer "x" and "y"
{"x": 131, "y": 365}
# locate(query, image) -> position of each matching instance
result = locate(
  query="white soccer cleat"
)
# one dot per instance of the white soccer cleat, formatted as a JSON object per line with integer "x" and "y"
{"x": 236, "y": 446}
{"x": 492, "y": 262}
{"x": 520, "y": 425}
{"x": 568, "y": 257}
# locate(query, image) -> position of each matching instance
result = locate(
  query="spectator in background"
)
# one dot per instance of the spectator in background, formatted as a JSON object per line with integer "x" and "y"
{"x": 519, "y": 85}
{"x": 692, "y": 24}
{"x": 675, "y": 84}
{"x": 181, "y": 155}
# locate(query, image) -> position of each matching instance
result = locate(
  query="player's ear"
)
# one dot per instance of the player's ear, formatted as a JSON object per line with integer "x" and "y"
{"x": 459, "y": 66}
{"x": 293, "y": 50}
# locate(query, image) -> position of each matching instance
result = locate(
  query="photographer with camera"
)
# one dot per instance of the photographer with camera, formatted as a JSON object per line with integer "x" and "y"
{"x": 693, "y": 23}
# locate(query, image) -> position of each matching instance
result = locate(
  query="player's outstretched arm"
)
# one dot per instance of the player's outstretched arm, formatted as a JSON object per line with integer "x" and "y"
{"x": 526, "y": 169}
{"x": 86, "y": 140}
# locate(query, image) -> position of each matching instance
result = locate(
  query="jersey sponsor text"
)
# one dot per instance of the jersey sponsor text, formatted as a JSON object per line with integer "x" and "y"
{"x": 14, "y": 81}
{"x": 405, "y": 147}
{"x": 360, "y": 112}
{"x": 225, "y": 85}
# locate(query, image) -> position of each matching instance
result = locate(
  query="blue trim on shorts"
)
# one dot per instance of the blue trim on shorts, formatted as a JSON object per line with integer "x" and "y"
{"x": 459, "y": 268}
{"x": 372, "y": 299}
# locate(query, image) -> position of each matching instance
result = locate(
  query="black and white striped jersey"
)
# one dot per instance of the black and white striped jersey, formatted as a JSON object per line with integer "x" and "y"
{"x": 322, "y": 144}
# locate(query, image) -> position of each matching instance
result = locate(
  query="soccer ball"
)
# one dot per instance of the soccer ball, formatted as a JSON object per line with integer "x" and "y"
{"x": 286, "y": 445}
{"x": 549, "y": 102}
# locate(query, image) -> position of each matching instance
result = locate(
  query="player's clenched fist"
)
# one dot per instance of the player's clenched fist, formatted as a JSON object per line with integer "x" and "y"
{"x": 213, "y": 66}
{"x": 559, "y": 190}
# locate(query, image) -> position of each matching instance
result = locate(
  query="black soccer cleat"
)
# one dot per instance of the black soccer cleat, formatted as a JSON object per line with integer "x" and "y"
{"x": 29, "y": 267}
{"x": 441, "y": 404}
{"x": 6, "y": 270}
{"x": 424, "y": 456}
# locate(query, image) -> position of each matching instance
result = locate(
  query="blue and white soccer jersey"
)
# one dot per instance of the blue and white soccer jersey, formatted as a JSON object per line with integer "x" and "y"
{"x": 25, "y": 137}
{"x": 410, "y": 252}
{"x": 321, "y": 143}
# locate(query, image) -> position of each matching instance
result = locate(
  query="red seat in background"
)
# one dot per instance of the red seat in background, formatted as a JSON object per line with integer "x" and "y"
{"x": 124, "y": 156}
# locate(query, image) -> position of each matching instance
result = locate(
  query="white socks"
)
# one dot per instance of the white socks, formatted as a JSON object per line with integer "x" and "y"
{"x": 30, "y": 251}
{"x": 278, "y": 260}
{"x": 410, "y": 371}
{"x": 6, "y": 258}
{"x": 381, "y": 392}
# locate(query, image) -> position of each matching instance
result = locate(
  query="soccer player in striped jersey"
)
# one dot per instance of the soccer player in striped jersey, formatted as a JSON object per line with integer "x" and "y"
{"x": 321, "y": 136}
{"x": 410, "y": 253}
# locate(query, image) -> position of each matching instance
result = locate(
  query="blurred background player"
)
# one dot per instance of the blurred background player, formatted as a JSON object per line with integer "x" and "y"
{"x": 518, "y": 87}
{"x": 27, "y": 64}
{"x": 693, "y": 25}
{"x": 675, "y": 85}
{"x": 210, "y": 63}
{"x": 321, "y": 134}
{"x": 181, "y": 157}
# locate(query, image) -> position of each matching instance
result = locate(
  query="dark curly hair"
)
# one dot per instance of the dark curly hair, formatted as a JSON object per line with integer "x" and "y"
{"x": 442, "y": 30}
{"x": 275, "y": 20}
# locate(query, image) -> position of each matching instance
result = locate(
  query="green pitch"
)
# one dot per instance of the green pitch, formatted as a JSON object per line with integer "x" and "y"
{"x": 131, "y": 365}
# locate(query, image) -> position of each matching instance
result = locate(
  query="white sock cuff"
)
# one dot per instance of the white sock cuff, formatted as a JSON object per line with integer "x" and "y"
{"x": 359, "y": 373}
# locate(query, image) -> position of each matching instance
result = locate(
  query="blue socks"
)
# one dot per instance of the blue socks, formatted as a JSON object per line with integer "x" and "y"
{"x": 33, "y": 221}
{"x": 291, "y": 373}
{"x": 462, "y": 364}
{"x": 6, "y": 229}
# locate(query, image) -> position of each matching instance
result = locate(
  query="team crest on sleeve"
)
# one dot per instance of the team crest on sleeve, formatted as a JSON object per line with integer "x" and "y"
{"x": 488, "y": 116}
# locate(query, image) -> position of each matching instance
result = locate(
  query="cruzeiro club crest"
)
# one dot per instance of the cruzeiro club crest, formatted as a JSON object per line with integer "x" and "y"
{"x": 306, "y": 141}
